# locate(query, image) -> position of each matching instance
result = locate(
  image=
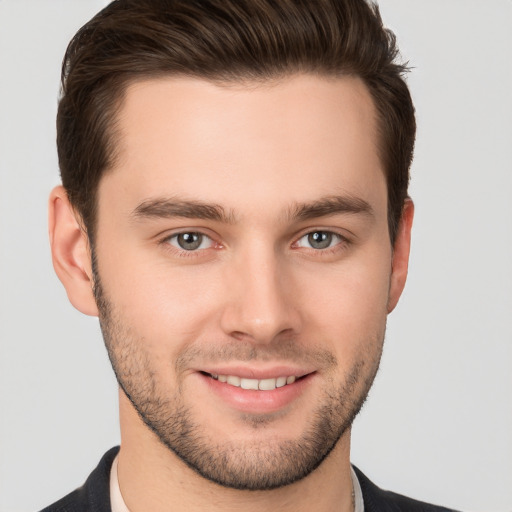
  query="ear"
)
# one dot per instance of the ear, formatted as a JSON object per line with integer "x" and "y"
{"x": 400, "y": 260}
{"x": 71, "y": 253}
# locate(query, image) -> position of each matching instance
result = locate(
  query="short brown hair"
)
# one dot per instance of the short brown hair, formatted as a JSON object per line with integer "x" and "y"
{"x": 226, "y": 41}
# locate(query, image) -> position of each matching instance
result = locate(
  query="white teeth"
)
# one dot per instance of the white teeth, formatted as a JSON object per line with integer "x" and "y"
{"x": 262, "y": 385}
{"x": 267, "y": 384}
{"x": 233, "y": 380}
{"x": 249, "y": 383}
{"x": 280, "y": 382}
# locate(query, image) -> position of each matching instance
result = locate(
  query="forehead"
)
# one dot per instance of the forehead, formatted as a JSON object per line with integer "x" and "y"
{"x": 289, "y": 140}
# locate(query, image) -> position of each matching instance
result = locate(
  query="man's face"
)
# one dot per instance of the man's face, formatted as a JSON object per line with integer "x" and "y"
{"x": 242, "y": 242}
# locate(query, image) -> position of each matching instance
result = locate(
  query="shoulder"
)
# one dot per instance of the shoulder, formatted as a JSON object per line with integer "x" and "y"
{"x": 94, "y": 495}
{"x": 379, "y": 500}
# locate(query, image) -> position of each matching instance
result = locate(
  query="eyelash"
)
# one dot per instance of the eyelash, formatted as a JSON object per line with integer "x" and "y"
{"x": 183, "y": 253}
{"x": 342, "y": 243}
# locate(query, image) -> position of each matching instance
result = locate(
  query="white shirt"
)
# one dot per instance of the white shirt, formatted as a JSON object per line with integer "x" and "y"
{"x": 116, "y": 499}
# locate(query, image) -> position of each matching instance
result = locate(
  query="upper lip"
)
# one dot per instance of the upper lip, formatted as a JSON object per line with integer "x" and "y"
{"x": 246, "y": 372}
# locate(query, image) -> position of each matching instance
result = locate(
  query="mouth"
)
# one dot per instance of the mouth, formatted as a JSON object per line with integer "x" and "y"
{"x": 273, "y": 391}
{"x": 255, "y": 384}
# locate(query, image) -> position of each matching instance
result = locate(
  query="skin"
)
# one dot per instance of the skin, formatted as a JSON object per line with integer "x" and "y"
{"x": 256, "y": 296}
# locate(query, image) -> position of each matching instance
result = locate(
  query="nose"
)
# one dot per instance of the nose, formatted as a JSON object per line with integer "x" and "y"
{"x": 261, "y": 299}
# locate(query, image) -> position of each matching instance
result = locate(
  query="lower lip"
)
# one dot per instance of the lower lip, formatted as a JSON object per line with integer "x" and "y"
{"x": 258, "y": 402}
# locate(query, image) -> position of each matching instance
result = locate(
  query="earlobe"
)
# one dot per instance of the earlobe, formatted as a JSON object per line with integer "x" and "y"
{"x": 401, "y": 249}
{"x": 71, "y": 254}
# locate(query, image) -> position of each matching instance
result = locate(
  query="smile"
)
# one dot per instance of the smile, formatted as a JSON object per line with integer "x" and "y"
{"x": 275, "y": 389}
{"x": 255, "y": 384}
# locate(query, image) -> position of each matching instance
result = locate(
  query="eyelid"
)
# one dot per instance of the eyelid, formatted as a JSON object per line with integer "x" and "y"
{"x": 343, "y": 242}
{"x": 335, "y": 235}
{"x": 343, "y": 234}
{"x": 164, "y": 235}
{"x": 164, "y": 241}
{"x": 204, "y": 238}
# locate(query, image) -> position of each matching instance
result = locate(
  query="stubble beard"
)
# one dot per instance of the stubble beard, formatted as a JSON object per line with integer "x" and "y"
{"x": 248, "y": 466}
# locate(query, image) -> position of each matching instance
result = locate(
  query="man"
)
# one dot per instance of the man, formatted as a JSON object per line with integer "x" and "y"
{"x": 234, "y": 209}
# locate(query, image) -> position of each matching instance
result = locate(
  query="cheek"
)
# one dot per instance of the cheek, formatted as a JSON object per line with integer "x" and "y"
{"x": 349, "y": 305}
{"x": 165, "y": 307}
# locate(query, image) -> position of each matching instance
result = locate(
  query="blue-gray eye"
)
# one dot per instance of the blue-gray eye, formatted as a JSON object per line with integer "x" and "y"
{"x": 319, "y": 240}
{"x": 190, "y": 241}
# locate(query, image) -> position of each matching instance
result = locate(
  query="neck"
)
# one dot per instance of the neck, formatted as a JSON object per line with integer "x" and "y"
{"x": 151, "y": 477}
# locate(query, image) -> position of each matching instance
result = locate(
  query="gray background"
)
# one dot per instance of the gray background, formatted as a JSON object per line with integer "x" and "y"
{"x": 438, "y": 424}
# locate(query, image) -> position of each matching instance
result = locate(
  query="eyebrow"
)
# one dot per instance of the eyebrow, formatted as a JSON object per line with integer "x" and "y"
{"x": 331, "y": 205}
{"x": 166, "y": 208}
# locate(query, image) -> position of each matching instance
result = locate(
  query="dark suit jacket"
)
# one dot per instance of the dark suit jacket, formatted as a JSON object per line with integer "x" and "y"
{"x": 94, "y": 495}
